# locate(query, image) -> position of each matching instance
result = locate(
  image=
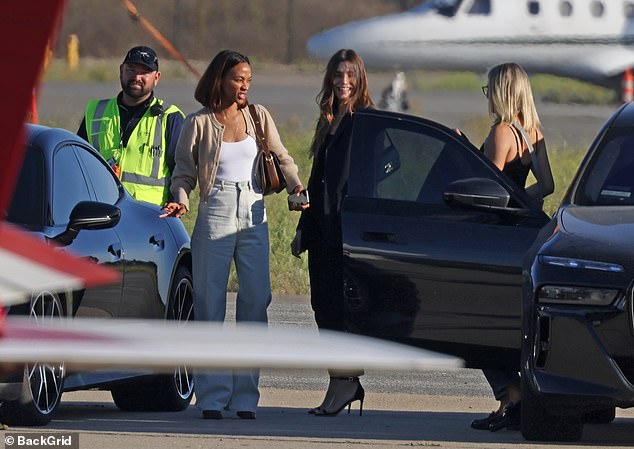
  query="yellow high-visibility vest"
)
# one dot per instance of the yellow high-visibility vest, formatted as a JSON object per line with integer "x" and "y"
{"x": 141, "y": 162}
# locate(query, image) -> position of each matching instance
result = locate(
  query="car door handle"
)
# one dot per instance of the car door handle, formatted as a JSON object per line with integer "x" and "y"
{"x": 115, "y": 250}
{"x": 387, "y": 237}
{"x": 158, "y": 241}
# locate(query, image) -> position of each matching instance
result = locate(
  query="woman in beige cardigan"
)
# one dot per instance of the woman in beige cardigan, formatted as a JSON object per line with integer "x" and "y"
{"x": 217, "y": 150}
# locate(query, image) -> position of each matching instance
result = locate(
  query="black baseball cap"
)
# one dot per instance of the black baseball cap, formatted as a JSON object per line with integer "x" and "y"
{"x": 142, "y": 55}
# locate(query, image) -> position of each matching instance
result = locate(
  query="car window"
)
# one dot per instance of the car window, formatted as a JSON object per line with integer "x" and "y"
{"x": 69, "y": 185}
{"x": 608, "y": 180}
{"x": 27, "y": 205}
{"x": 106, "y": 188}
{"x": 408, "y": 161}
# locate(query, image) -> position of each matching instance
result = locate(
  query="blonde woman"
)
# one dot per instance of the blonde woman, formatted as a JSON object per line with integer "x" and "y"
{"x": 512, "y": 109}
{"x": 515, "y": 125}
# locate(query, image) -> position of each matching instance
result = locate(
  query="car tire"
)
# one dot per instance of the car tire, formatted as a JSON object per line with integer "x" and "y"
{"x": 171, "y": 392}
{"x": 42, "y": 383}
{"x": 538, "y": 424}
{"x": 602, "y": 416}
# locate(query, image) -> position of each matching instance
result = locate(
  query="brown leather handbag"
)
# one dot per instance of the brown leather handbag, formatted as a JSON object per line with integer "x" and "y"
{"x": 268, "y": 173}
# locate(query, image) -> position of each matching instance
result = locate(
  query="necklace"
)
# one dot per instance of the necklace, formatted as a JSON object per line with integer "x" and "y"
{"x": 228, "y": 126}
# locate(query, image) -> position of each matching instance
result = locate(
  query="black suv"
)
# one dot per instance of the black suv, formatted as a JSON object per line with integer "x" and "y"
{"x": 578, "y": 346}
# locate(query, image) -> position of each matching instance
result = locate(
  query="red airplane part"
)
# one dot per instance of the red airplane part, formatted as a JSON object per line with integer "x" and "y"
{"x": 25, "y": 30}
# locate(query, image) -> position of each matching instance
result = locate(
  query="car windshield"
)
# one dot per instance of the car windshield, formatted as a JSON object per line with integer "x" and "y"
{"x": 445, "y": 7}
{"x": 27, "y": 205}
{"x": 609, "y": 178}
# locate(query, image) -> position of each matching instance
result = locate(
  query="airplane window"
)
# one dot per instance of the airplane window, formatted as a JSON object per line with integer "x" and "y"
{"x": 628, "y": 9}
{"x": 565, "y": 8}
{"x": 533, "y": 8}
{"x": 480, "y": 7}
{"x": 445, "y": 7}
{"x": 597, "y": 8}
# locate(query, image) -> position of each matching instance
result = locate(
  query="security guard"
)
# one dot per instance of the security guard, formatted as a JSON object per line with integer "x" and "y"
{"x": 135, "y": 131}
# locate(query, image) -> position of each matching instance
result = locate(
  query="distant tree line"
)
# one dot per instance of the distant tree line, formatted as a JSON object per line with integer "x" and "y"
{"x": 272, "y": 30}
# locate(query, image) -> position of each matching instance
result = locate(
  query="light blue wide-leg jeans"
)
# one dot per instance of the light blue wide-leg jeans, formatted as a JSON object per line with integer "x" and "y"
{"x": 230, "y": 225}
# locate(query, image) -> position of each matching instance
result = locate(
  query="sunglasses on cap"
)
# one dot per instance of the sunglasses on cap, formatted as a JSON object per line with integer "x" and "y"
{"x": 143, "y": 56}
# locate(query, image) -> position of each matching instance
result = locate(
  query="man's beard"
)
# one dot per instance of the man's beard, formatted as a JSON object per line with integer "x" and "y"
{"x": 138, "y": 91}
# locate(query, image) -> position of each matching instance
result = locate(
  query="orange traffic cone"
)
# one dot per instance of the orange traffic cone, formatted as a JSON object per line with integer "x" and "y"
{"x": 628, "y": 86}
{"x": 32, "y": 112}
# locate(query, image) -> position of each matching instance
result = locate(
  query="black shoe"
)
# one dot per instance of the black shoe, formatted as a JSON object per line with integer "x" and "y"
{"x": 212, "y": 414}
{"x": 342, "y": 392}
{"x": 509, "y": 419}
{"x": 483, "y": 423}
{"x": 246, "y": 415}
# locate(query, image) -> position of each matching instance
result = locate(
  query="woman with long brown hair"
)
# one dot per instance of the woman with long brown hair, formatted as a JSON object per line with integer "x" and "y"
{"x": 344, "y": 91}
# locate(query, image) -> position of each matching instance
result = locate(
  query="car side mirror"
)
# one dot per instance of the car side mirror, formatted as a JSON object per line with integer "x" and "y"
{"x": 481, "y": 193}
{"x": 88, "y": 215}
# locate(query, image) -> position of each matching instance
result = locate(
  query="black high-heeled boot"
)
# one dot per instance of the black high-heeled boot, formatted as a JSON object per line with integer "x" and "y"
{"x": 342, "y": 392}
{"x": 510, "y": 418}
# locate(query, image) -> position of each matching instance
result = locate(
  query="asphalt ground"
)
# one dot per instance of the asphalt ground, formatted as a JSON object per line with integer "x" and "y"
{"x": 401, "y": 409}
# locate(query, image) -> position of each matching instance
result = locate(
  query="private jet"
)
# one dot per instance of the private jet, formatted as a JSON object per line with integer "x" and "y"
{"x": 584, "y": 39}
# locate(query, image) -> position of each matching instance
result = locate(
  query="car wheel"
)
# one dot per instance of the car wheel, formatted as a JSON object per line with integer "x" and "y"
{"x": 42, "y": 383}
{"x": 602, "y": 416}
{"x": 171, "y": 392}
{"x": 538, "y": 424}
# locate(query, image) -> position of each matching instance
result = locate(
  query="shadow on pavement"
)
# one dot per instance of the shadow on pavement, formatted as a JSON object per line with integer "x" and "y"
{"x": 296, "y": 423}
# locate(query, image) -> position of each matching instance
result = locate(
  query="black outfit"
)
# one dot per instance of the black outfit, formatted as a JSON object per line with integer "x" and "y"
{"x": 518, "y": 172}
{"x": 320, "y": 227}
{"x": 130, "y": 116}
{"x": 500, "y": 380}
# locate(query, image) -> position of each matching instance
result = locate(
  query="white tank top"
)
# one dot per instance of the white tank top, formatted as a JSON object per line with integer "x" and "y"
{"x": 236, "y": 160}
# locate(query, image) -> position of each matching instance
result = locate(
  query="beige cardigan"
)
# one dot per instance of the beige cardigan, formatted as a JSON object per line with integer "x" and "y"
{"x": 197, "y": 153}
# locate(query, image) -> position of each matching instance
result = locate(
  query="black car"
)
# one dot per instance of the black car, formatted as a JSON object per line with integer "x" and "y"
{"x": 434, "y": 237}
{"x": 442, "y": 251}
{"x": 578, "y": 311}
{"x": 68, "y": 195}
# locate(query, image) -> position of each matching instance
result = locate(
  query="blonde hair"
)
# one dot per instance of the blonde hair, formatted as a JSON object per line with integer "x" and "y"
{"x": 511, "y": 97}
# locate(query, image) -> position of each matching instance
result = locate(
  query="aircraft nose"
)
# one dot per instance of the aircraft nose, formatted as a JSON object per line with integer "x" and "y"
{"x": 324, "y": 44}
{"x": 362, "y": 36}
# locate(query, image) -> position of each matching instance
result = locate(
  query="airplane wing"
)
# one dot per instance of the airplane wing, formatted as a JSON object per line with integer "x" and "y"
{"x": 95, "y": 343}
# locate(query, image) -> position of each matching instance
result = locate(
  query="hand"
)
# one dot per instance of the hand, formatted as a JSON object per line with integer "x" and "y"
{"x": 296, "y": 245}
{"x": 173, "y": 210}
{"x": 461, "y": 134}
{"x": 297, "y": 205}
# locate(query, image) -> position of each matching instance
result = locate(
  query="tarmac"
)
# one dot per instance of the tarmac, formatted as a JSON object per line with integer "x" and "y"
{"x": 389, "y": 421}
{"x": 401, "y": 409}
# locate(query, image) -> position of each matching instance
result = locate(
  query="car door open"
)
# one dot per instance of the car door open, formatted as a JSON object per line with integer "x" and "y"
{"x": 423, "y": 265}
